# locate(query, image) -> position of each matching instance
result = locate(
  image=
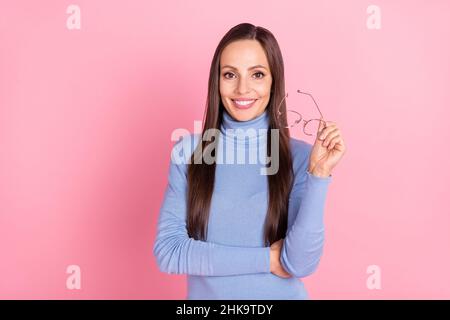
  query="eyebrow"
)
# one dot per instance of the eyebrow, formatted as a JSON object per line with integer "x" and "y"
{"x": 254, "y": 67}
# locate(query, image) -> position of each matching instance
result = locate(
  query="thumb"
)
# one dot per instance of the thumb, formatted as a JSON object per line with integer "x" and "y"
{"x": 320, "y": 128}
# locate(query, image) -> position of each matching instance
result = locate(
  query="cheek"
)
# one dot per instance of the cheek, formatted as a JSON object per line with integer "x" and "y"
{"x": 264, "y": 89}
{"x": 225, "y": 89}
{"x": 265, "y": 93}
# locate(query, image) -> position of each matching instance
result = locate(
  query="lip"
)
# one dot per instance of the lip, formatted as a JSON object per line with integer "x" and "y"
{"x": 243, "y": 99}
{"x": 243, "y": 107}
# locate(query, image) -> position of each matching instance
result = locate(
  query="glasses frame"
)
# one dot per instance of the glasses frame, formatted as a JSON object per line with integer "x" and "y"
{"x": 300, "y": 118}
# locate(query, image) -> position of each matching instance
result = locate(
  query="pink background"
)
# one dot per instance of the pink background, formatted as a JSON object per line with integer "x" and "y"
{"x": 86, "y": 117}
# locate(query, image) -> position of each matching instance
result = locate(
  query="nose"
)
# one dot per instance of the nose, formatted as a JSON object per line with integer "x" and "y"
{"x": 242, "y": 87}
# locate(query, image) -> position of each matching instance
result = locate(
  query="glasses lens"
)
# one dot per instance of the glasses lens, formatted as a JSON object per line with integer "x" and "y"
{"x": 289, "y": 118}
{"x": 312, "y": 126}
{"x": 293, "y": 118}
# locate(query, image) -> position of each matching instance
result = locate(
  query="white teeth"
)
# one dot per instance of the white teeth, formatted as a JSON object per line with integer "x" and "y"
{"x": 243, "y": 103}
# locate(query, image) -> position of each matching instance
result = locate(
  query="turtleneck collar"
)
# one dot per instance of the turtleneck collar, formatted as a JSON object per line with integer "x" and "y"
{"x": 230, "y": 125}
{"x": 260, "y": 122}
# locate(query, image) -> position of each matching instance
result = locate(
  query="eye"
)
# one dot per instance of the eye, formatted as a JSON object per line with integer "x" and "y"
{"x": 225, "y": 75}
{"x": 262, "y": 75}
{"x": 257, "y": 73}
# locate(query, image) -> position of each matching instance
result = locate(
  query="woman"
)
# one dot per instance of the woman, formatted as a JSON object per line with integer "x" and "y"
{"x": 237, "y": 233}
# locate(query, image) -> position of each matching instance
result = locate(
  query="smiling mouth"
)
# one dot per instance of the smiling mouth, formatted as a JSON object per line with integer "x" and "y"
{"x": 243, "y": 104}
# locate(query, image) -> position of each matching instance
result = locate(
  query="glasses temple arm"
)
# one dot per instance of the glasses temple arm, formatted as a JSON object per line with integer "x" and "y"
{"x": 321, "y": 116}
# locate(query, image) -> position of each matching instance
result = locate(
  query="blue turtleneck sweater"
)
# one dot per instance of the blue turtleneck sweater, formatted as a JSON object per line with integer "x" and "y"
{"x": 234, "y": 263}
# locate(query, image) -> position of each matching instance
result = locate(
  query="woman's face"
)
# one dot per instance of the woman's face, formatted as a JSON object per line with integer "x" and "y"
{"x": 241, "y": 82}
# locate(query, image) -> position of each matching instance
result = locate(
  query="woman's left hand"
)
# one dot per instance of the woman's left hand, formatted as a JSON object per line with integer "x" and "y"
{"x": 327, "y": 150}
{"x": 275, "y": 260}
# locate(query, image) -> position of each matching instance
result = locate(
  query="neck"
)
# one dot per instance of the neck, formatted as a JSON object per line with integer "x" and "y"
{"x": 252, "y": 130}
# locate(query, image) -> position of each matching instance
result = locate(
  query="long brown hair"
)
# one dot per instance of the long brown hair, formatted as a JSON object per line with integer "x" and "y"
{"x": 201, "y": 175}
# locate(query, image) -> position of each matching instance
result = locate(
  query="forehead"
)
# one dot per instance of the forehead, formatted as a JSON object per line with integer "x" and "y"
{"x": 243, "y": 54}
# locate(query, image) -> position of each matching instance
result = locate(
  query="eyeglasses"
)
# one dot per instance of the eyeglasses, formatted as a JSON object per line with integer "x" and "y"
{"x": 295, "y": 118}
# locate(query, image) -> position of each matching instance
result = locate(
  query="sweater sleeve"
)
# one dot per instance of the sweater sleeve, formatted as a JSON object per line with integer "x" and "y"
{"x": 303, "y": 244}
{"x": 176, "y": 253}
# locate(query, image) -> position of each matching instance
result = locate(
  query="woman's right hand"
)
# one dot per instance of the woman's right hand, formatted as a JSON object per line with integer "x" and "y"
{"x": 275, "y": 265}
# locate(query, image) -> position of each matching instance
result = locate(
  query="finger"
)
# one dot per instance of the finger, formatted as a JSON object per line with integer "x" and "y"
{"x": 334, "y": 142}
{"x": 330, "y": 135}
{"x": 340, "y": 146}
{"x": 329, "y": 127}
{"x": 320, "y": 128}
